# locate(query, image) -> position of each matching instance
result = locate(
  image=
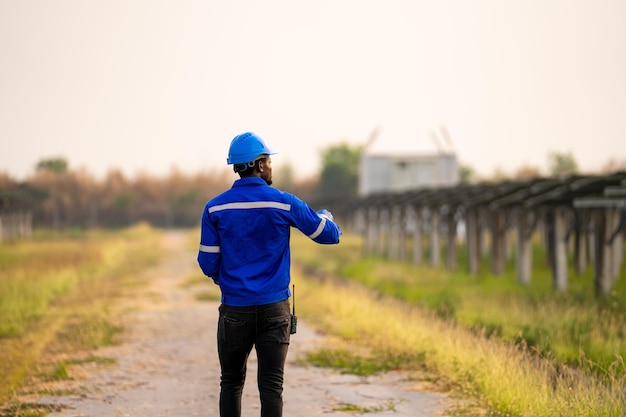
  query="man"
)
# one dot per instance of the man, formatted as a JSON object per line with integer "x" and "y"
{"x": 244, "y": 248}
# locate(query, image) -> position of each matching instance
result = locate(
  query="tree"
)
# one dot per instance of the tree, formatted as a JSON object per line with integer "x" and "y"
{"x": 562, "y": 164}
{"x": 57, "y": 165}
{"x": 340, "y": 171}
{"x": 527, "y": 172}
{"x": 54, "y": 168}
{"x": 467, "y": 175}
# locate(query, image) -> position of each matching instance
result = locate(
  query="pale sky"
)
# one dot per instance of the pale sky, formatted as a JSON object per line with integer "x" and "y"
{"x": 146, "y": 85}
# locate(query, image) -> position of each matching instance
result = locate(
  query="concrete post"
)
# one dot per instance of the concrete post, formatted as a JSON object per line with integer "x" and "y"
{"x": 451, "y": 245}
{"x": 393, "y": 235}
{"x": 524, "y": 248}
{"x": 617, "y": 246}
{"x": 402, "y": 215}
{"x": 473, "y": 241}
{"x": 383, "y": 230}
{"x": 434, "y": 238}
{"x": 581, "y": 239}
{"x": 560, "y": 250}
{"x": 497, "y": 243}
{"x": 417, "y": 235}
{"x": 602, "y": 281}
{"x": 372, "y": 229}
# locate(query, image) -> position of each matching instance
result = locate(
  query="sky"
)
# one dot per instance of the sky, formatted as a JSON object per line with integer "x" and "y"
{"x": 147, "y": 86}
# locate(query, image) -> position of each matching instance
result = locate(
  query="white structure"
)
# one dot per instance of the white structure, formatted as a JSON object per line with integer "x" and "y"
{"x": 391, "y": 173}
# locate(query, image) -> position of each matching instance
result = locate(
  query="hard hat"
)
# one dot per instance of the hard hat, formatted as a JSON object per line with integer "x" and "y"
{"x": 245, "y": 147}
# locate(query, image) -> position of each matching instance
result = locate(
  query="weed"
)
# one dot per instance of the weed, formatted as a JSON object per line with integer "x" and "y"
{"x": 30, "y": 409}
{"x": 353, "y": 408}
{"x": 92, "y": 359}
{"x": 346, "y": 361}
{"x": 59, "y": 373}
{"x": 60, "y": 392}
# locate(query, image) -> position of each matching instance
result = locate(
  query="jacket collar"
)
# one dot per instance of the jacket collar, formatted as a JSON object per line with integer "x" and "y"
{"x": 242, "y": 182}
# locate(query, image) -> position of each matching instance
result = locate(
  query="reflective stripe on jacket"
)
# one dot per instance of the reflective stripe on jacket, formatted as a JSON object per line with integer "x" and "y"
{"x": 244, "y": 241}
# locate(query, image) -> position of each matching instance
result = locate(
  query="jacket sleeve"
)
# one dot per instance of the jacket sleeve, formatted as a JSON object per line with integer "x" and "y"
{"x": 209, "y": 254}
{"x": 319, "y": 229}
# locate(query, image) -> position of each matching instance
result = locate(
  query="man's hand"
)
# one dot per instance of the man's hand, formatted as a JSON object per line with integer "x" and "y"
{"x": 325, "y": 214}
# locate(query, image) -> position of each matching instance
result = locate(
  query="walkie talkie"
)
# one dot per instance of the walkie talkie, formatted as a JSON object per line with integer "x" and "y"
{"x": 294, "y": 318}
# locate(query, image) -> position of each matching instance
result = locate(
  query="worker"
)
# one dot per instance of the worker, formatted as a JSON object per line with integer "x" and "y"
{"x": 244, "y": 248}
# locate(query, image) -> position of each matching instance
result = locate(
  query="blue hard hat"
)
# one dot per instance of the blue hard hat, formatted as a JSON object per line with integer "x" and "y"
{"x": 245, "y": 147}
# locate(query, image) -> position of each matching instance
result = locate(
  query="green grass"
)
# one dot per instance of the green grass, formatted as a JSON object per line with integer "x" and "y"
{"x": 56, "y": 294}
{"x": 571, "y": 326}
{"x": 364, "y": 364}
{"x": 59, "y": 373}
{"x": 353, "y": 408}
{"x": 517, "y": 351}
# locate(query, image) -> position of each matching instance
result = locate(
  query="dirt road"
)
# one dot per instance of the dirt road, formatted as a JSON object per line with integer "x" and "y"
{"x": 167, "y": 364}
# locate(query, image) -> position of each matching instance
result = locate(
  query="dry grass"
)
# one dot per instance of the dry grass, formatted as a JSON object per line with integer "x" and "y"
{"x": 506, "y": 378}
{"x": 56, "y": 292}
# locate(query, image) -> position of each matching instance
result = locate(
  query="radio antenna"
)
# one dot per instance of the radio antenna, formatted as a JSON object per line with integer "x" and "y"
{"x": 294, "y": 318}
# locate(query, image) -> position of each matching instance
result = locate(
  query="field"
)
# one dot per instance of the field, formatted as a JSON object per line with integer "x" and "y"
{"x": 504, "y": 350}
{"x": 515, "y": 351}
{"x": 56, "y": 296}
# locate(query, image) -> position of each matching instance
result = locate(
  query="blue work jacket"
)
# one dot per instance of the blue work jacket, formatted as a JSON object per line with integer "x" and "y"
{"x": 244, "y": 241}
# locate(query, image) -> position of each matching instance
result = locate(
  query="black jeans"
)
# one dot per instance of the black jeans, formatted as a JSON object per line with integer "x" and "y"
{"x": 267, "y": 327}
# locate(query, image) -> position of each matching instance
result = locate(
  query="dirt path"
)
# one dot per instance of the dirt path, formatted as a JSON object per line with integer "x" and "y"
{"x": 167, "y": 364}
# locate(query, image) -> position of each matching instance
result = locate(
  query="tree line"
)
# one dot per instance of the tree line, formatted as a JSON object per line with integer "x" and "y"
{"x": 58, "y": 197}
{"x": 61, "y": 198}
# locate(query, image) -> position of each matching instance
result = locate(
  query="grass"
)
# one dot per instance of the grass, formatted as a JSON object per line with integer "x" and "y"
{"x": 570, "y": 326}
{"x": 506, "y": 347}
{"x": 30, "y": 410}
{"x": 353, "y": 408}
{"x": 364, "y": 364}
{"x": 59, "y": 373}
{"x": 56, "y": 294}
{"x": 92, "y": 359}
{"x": 566, "y": 325}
